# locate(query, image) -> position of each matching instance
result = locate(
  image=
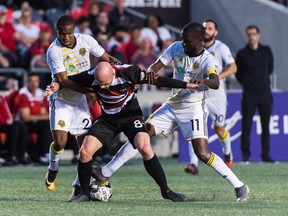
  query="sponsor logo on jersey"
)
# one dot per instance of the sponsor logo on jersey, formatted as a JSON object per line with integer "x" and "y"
{"x": 82, "y": 51}
{"x": 61, "y": 123}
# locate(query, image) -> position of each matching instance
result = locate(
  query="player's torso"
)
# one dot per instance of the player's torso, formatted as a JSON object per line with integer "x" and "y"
{"x": 187, "y": 68}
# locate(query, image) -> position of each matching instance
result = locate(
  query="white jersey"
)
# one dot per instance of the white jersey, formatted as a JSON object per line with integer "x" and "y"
{"x": 186, "y": 68}
{"x": 73, "y": 60}
{"x": 224, "y": 57}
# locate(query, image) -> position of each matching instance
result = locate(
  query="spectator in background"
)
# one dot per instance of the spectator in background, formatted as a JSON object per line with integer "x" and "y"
{"x": 118, "y": 15}
{"x": 101, "y": 28}
{"x": 94, "y": 11}
{"x": 39, "y": 47}
{"x": 29, "y": 33}
{"x": 255, "y": 65}
{"x": 134, "y": 42}
{"x": 8, "y": 40}
{"x": 31, "y": 109}
{"x": 83, "y": 25}
{"x": 154, "y": 29}
{"x": 16, "y": 136}
{"x": 116, "y": 43}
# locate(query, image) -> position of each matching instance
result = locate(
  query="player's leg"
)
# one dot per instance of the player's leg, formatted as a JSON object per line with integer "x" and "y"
{"x": 192, "y": 167}
{"x": 90, "y": 145}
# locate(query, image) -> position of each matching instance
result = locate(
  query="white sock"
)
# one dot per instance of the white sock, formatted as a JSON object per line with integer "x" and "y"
{"x": 226, "y": 143}
{"x": 76, "y": 181}
{"x": 192, "y": 156}
{"x": 220, "y": 167}
{"x": 125, "y": 153}
{"x": 54, "y": 157}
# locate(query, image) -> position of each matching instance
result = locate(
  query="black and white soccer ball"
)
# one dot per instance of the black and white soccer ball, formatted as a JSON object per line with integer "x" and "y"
{"x": 100, "y": 193}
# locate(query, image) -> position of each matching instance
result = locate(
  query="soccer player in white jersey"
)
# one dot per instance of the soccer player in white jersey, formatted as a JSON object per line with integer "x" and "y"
{"x": 69, "y": 55}
{"x": 216, "y": 99}
{"x": 185, "y": 108}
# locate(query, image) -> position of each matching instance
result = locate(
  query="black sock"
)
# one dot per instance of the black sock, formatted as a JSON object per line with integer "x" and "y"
{"x": 84, "y": 173}
{"x": 155, "y": 170}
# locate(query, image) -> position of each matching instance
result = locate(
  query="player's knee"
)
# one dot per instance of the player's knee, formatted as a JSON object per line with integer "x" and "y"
{"x": 204, "y": 156}
{"x": 84, "y": 155}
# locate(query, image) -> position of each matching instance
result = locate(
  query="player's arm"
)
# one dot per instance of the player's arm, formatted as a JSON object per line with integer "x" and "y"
{"x": 108, "y": 58}
{"x": 229, "y": 70}
{"x": 152, "y": 72}
{"x": 65, "y": 82}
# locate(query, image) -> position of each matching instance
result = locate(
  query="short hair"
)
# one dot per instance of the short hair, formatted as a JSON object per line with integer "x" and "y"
{"x": 252, "y": 27}
{"x": 214, "y": 22}
{"x": 195, "y": 29}
{"x": 64, "y": 20}
{"x": 33, "y": 74}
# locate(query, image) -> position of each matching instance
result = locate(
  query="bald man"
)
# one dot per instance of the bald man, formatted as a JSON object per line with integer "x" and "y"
{"x": 115, "y": 86}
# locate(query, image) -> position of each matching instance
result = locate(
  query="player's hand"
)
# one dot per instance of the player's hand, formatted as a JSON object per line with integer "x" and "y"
{"x": 151, "y": 76}
{"x": 92, "y": 98}
{"x": 191, "y": 85}
{"x": 50, "y": 89}
{"x": 196, "y": 81}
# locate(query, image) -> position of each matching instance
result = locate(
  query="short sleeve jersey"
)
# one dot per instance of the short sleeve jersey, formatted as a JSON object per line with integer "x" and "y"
{"x": 186, "y": 68}
{"x": 224, "y": 57}
{"x": 72, "y": 60}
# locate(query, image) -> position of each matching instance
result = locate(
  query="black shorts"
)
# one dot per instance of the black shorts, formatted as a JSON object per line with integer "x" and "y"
{"x": 106, "y": 129}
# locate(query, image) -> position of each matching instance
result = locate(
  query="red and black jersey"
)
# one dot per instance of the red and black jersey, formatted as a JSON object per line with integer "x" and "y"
{"x": 120, "y": 97}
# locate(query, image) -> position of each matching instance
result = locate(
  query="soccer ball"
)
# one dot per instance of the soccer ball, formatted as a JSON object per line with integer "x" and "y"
{"x": 100, "y": 193}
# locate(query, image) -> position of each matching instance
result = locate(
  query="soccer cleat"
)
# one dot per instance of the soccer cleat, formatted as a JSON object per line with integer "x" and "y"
{"x": 242, "y": 193}
{"x": 228, "y": 160}
{"x": 50, "y": 179}
{"x": 175, "y": 197}
{"x": 76, "y": 190}
{"x": 80, "y": 198}
{"x": 97, "y": 174}
{"x": 192, "y": 169}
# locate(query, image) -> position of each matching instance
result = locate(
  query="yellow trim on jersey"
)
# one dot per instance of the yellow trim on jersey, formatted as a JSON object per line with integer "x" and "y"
{"x": 225, "y": 135}
{"x": 54, "y": 151}
{"x": 212, "y": 159}
{"x": 212, "y": 71}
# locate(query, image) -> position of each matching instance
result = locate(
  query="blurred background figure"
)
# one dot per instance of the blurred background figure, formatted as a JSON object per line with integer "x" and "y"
{"x": 154, "y": 29}
{"x": 134, "y": 42}
{"x": 33, "y": 111}
{"x": 83, "y": 25}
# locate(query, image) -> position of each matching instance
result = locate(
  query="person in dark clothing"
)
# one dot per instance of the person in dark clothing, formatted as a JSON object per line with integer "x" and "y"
{"x": 255, "y": 65}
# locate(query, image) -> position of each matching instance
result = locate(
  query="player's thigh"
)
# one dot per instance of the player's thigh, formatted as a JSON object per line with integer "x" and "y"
{"x": 217, "y": 111}
{"x": 163, "y": 120}
{"x": 73, "y": 119}
{"x": 134, "y": 126}
{"x": 193, "y": 122}
{"x": 103, "y": 130}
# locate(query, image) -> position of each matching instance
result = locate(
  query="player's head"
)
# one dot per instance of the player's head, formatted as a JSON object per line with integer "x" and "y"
{"x": 253, "y": 34}
{"x": 192, "y": 36}
{"x": 211, "y": 30}
{"x": 33, "y": 82}
{"x": 104, "y": 74}
{"x": 65, "y": 30}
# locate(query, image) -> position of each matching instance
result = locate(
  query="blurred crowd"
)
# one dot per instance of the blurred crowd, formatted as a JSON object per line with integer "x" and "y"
{"x": 27, "y": 28}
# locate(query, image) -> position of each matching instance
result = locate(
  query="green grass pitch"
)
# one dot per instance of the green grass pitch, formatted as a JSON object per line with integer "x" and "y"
{"x": 22, "y": 192}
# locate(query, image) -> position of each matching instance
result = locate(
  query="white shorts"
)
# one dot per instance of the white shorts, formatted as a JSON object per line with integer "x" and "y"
{"x": 192, "y": 120}
{"x": 73, "y": 119}
{"x": 217, "y": 110}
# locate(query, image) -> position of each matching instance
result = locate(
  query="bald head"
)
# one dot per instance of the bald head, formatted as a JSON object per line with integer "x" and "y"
{"x": 104, "y": 74}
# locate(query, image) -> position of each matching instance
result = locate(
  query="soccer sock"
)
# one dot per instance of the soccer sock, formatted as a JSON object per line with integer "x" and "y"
{"x": 125, "y": 153}
{"x": 84, "y": 172}
{"x": 155, "y": 170}
{"x": 219, "y": 166}
{"x": 226, "y": 142}
{"x": 193, "y": 158}
{"x": 54, "y": 157}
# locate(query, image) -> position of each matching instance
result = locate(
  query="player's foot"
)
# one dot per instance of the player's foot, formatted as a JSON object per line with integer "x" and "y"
{"x": 82, "y": 197}
{"x": 242, "y": 193}
{"x": 228, "y": 160}
{"x": 50, "y": 179}
{"x": 97, "y": 174}
{"x": 175, "y": 197}
{"x": 76, "y": 190}
{"x": 192, "y": 169}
